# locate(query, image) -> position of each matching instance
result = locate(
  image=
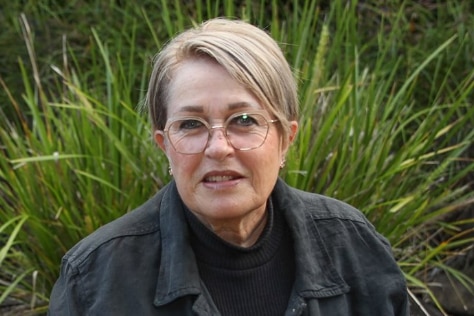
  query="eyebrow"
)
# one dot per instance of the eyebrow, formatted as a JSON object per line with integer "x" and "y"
{"x": 230, "y": 106}
{"x": 192, "y": 109}
{"x": 242, "y": 105}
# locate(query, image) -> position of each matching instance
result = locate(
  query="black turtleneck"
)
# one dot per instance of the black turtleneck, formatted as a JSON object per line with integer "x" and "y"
{"x": 246, "y": 281}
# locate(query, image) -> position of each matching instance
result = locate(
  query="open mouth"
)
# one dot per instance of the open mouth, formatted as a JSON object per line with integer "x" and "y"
{"x": 220, "y": 178}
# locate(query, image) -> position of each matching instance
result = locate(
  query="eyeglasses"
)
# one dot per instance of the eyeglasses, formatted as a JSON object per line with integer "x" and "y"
{"x": 244, "y": 131}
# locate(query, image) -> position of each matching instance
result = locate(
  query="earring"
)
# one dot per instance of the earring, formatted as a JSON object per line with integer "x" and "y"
{"x": 170, "y": 171}
{"x": 282, "y": 163}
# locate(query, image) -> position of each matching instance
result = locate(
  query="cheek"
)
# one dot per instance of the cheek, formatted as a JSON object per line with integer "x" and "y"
{"x": 266, "y": 162}
{"x": 183, "y": 166}
{"x": 184, "y": 174}
{"x": 274, "y": 153}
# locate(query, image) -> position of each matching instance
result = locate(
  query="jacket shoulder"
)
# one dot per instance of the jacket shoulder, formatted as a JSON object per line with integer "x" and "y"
{"x": 323, "y": 207}
{"x": 143, "y": 220}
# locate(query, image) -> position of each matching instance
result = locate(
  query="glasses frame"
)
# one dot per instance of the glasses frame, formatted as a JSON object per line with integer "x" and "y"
{"x": 223, "y": 126}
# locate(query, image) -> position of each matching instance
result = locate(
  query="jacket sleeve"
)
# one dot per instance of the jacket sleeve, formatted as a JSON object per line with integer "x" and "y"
{"x": 400, "y": 300}
{"x": 365, "y": 258}
{"x": 66, "y": 299}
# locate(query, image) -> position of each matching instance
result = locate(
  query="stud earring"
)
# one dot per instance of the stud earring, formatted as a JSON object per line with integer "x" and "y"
{"x": 170, "y": 171}
{"x": 282, "y": 163}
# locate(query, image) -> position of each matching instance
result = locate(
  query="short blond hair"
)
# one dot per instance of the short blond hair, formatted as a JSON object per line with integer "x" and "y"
{"x": 248, "y": 54}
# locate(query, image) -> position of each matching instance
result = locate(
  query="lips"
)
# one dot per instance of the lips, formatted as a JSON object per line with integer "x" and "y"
{"x": 214, "y": 177}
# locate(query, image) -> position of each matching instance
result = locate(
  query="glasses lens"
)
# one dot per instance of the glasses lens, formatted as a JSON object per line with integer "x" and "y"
{"x": 188, "y": 136}
{"x": 247, "y": 131}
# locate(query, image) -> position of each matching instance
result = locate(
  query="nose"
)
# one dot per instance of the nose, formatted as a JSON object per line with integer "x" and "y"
{"x": 218, "y": 146}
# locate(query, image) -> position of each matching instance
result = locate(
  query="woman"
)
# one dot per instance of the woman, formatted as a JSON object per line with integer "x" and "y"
{"x": 227, "y": 236}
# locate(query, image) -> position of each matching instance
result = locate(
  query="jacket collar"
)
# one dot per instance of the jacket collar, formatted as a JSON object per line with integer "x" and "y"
{"x": 179, "y": 276}
{"x": 316, "y": 276}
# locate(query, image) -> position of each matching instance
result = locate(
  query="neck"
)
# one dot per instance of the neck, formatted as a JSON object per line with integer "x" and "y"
{"x": 242, "y": 232}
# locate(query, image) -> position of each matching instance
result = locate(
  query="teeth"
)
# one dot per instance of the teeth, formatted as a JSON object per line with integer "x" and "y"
{"x": 219, "y": 178}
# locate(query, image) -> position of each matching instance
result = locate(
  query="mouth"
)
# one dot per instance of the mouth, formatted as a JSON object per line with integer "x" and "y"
{"x": 221, "y": 177}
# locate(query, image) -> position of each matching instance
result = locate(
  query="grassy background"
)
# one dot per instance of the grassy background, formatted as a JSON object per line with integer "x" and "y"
{"x": 386, "y": 92}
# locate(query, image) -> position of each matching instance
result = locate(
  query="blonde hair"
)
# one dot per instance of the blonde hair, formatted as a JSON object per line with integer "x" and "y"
{"x": 247, "y": 53}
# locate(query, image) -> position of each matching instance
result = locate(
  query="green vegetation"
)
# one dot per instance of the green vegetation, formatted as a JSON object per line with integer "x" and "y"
{"x": 386, "y": 121}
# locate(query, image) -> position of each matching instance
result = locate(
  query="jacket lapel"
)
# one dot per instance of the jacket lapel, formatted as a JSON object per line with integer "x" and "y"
{"x": 316, "y": 277}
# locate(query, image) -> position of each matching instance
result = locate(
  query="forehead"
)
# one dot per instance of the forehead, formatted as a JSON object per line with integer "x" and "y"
{"x": 202, "y": 86}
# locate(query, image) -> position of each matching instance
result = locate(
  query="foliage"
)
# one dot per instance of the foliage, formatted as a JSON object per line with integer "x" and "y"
{"x": 386, "y": 123}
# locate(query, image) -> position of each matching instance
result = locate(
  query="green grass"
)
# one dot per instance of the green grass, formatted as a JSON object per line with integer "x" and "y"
{"x": 386, "y": 123}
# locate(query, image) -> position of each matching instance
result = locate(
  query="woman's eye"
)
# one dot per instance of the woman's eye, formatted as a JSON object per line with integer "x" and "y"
{"x": 190, "y": 124}
{"x": 244, "y": 120}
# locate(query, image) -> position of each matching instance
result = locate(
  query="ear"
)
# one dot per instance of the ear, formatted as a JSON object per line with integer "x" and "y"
{"x": 293, "y": 132}
{"x": 159, "y": 137}
{"x": 291, "y": 136}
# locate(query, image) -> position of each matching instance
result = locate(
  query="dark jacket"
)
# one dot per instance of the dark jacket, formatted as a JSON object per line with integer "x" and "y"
{"x": 143, "y": 264}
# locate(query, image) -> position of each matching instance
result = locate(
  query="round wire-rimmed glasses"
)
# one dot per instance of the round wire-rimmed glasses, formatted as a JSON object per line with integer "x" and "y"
{"x": 244, "y": 131}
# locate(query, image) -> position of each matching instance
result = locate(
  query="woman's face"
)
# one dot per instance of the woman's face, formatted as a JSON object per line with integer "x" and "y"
{"x": 221, "y": 183}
